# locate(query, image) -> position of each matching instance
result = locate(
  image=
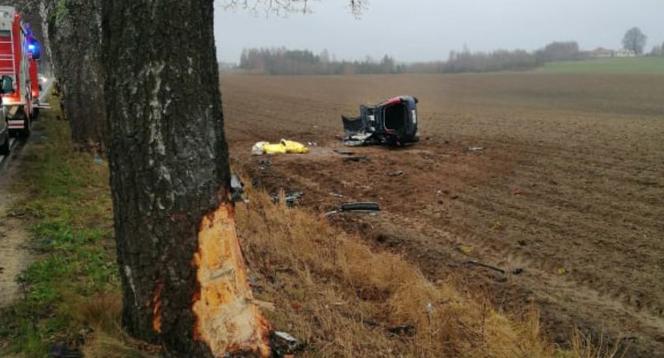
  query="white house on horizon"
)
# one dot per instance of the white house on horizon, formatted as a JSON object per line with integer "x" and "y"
{"x": 602, "y": 52}
{"x": 625, "y": 53}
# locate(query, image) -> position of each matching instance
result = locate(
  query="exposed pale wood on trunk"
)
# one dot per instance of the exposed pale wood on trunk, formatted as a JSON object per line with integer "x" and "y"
{"x": 170, "y": 177}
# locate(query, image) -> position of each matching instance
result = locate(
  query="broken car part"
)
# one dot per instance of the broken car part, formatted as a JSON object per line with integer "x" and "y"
{"x": 237, "y": 189}
{"x": 403, "y": 330}
{"x": 343, "y": 152}
{"x": 516, "y": 271}
{"x": 362, "y": 158}
{"x": 290, "y": 198}
{"x": 284, "y": 344}
{"x": 367, "y": 207}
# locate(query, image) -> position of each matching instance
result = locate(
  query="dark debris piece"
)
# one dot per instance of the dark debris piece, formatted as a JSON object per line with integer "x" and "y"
{"x": 60, "y": 350}
{"x": 264, "y": 163}
{"x": 292, "y": 198}
{"x": 362, "y": 158}
{"x": 407, "y": 330}
{"x": 368, "y": 206}
{"x": 516, "y": 271}
{"x": 237, "y": 189}
{"x": 284, "y": 344}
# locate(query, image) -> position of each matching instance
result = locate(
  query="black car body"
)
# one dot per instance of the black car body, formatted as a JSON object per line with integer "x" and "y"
{"x": 392, "y": 122}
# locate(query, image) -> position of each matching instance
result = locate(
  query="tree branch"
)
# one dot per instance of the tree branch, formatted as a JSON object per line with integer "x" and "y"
{"x": 283, "y": 7}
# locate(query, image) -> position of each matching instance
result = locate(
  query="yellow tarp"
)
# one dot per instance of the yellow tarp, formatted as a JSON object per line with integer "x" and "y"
{"x": 274, "y": 149}
{"x": 294, "y": 147}
{"x": 283, "y": 147}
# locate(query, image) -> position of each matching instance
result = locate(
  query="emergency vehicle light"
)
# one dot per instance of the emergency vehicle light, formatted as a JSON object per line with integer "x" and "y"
{"x": 34, "y": 48}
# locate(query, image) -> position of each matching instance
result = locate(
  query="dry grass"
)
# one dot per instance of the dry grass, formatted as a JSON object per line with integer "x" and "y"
{"x": 344, "y": 299}
{"x": 102, "y": 315}
{"x": 583, "y": 346}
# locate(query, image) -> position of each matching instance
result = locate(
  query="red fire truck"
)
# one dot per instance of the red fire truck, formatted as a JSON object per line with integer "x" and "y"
{"x": 19, "y": 81}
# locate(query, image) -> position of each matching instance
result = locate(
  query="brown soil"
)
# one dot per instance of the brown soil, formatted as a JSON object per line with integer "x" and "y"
{"x": 567, "y": 190}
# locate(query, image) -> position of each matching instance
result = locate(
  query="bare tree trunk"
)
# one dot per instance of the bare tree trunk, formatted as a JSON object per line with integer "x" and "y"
{"x": 73, "y": 39}
{"x": 182, "y": 270}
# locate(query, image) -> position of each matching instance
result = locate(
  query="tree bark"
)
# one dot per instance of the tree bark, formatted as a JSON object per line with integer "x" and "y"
{"x": 73, "y": 37}
{"x": 182, "y": 270}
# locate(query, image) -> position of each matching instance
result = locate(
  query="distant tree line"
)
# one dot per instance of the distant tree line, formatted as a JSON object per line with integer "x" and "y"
{"x": 559, "y": 51}
{"x": 657, "y": 50}
{"x": 501, "y": 60}
{"x": 281, "y": 61}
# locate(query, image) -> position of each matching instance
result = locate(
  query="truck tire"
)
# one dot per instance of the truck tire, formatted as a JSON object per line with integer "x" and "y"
{"x": 4, "y": 148}
{"x": 26, "y": 131}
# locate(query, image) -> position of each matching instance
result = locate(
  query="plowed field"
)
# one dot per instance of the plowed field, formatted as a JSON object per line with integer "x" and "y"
{"x": 558, "y": 180}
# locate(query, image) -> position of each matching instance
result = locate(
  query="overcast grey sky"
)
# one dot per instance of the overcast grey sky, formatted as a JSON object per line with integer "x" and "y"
{"x": 417, "y": 30}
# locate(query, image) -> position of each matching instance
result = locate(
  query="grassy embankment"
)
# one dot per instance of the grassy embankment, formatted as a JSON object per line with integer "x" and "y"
{"x": 337, "y": 295}
{"x": 626, "y": 65}
{"x": 71, "y": 290}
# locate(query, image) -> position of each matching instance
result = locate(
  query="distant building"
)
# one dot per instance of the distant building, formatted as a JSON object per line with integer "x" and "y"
{"x": 602, "y": 52}
{"x": 625, "y": 53}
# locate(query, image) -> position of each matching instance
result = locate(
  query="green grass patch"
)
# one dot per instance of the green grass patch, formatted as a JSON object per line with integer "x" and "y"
{"x": 626, "y": 65}
{"x": 66, "y": 204}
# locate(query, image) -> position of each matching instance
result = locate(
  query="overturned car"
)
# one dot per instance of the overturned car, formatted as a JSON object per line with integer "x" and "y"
{"x": 393, "y": 122}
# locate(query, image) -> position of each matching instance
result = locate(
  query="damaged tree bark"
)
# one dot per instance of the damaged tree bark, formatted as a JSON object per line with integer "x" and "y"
{"x": 183, "y": 275}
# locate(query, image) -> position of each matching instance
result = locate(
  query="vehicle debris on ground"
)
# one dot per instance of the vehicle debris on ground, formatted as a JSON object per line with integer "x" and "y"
{"x": 393, "y": 122}
{"x": 284, "y": 344}
{"x": 359, "y": 207}
{"x": 516, "y": 271}
{"x": 237, "y": 189}
{"x": 291, "y": 199}
{"x": 344, "y": 152}
{"x": 283, "y": 147}
{"x": 361, "y": 158}
{"x": 264, "y": 164}
{"x": 407, "y": 330}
